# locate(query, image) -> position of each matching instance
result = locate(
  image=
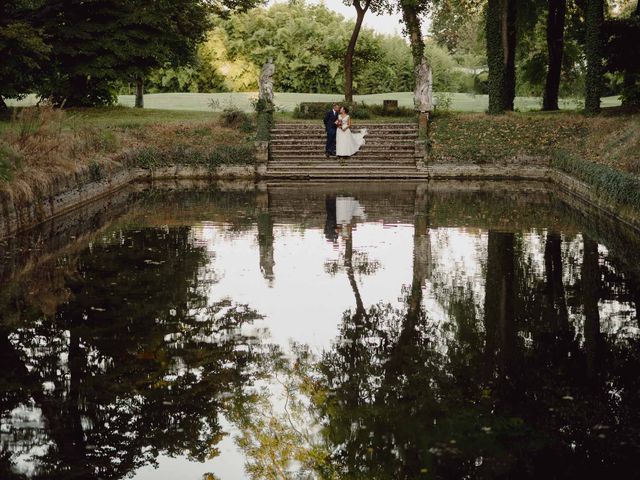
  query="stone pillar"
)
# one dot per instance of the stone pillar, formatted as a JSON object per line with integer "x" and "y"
{"x": 265, "y": 236}
{"x": 420, "y": 153}
{"x": 423, "y": 96}
{"x": 262, "y": 156}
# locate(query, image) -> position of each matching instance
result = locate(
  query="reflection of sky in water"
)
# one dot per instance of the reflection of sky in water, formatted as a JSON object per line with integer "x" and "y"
{"x": 305, "y": 300}
{"x": 304, "y": 303}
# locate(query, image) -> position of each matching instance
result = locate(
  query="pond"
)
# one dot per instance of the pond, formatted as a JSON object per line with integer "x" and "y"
{"x": 322, "y": 331}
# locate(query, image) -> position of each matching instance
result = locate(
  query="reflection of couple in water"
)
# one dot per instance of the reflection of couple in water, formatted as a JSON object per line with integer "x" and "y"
{"x": 341, "y": 214}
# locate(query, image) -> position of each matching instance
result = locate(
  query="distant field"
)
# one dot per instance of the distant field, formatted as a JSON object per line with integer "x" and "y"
{"x": 461, "y": 102}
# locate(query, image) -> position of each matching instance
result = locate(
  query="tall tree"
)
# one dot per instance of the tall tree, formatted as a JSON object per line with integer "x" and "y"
{"x": 361, "y": 6}
{"x": 23, "y": 49}
{"x": 555, "y": 47}
{"x": 622, "y": 35}
{"x": 100, "y": 42}
{"x": 500, "y": 30}
{"x": 411, "y": 11}
{"x": 594, "y": 20}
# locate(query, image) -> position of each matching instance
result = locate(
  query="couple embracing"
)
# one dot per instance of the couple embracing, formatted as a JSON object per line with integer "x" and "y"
{"x": 341, "y": 141}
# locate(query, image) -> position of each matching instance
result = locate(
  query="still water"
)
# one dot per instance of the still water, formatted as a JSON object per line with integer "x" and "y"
{"x": 344, "y": 331}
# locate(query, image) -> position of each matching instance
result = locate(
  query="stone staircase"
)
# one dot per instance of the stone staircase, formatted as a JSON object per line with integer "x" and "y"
{"x": 297, "y": 151}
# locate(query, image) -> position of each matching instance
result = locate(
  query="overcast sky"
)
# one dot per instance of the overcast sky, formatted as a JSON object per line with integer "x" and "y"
{"x": 389, "y": 24}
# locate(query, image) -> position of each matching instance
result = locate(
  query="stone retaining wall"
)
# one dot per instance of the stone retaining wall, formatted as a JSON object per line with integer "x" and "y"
{"x": 74, "y": 191}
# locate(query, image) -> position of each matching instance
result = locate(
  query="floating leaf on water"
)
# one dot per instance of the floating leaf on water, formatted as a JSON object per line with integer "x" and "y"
{"x": 567, "y": 397}
{"x": 153, "y": 262}
{"x": 98, "y": 309}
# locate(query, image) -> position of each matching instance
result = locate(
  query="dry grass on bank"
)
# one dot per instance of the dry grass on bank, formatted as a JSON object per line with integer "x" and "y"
{"x": 43, "y": 145}
{"x": 610, "y": 139}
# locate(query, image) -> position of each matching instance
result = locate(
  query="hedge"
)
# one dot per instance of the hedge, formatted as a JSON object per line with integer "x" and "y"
{"x": 153, "y": 157}
{"x": 617, "y": 185}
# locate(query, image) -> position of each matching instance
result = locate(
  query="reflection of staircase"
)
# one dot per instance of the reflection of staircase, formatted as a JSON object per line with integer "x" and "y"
{"x": 297, "y": 150}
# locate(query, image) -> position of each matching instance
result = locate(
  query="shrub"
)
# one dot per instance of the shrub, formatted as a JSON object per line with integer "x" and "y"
{"x": 379, "y": 111}
{"x": 154, "y": 157}
{"x": 95, "y": 172}
{"x": 316, "y": 110}
{"x": 9, "y": 161}
{"x": 619, "y": 186}
{"x": 234, "y": 118}
{"x": 99, "y": 140}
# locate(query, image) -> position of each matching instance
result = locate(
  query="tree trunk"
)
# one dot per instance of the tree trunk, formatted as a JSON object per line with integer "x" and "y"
{"x": 351, "y": 48}
{"x": 555, "y": 49}
{"x": 631, "y": 80}
{"x": 499, "y": 301}
{"x": 509, "y": 35}
{"x": 594, "y": 19}
{"x": 410, "y": 17}
{"x": 590, "y": 296}
{"x": 496, "y": 54}
{"x": 3, "y": 105}
{"x": 500, "y": 33}
{"x": 139, "y": 93}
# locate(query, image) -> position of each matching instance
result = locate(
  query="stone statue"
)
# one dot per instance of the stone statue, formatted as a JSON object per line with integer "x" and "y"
{"x": 423, "y": 95}
{"x": 266, "y": 81}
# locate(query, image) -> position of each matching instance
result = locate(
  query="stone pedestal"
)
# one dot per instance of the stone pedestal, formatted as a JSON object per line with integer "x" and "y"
{"x": 420, "y": 153}
{"x": 262, "y": 156}
{"x": 423, "y": 124}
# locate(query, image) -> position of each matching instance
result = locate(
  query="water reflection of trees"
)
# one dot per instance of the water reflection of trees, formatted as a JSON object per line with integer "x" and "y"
{"x": 133, "y": 363}
{"x": 522, "y": 393}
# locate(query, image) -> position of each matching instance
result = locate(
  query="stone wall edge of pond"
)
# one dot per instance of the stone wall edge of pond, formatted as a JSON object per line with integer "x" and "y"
{"x": 72, "y": 194}
{"x": 588, "y": 194}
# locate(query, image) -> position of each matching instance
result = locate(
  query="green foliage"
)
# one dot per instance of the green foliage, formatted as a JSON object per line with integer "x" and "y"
{"x": 392, "y": 72}
{"x": 95, "y": 171}
{"x": 9, "y": 162}
{"x": 155, "y": 157}
{"x": 235, "y": 118}
{"x": 615, "y": 184}
{"x": 317, "y": 110}
{"x": 379, "y": 111}
{"x": 264, "y": 119}
{"x": 622, "y": 54}
{"x": 100, "y": 140}
{"x": 307, "y": 44}
{"x": 92, "y": 47}
{"x": 594, "y": 19}
{"x": 23, "y": 49}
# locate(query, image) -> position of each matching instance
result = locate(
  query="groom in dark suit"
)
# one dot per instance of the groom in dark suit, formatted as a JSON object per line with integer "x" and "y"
{"x": 331, "y": 126}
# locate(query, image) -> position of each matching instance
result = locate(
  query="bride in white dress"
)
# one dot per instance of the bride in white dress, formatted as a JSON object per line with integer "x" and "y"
{"x": 347, "y": 142}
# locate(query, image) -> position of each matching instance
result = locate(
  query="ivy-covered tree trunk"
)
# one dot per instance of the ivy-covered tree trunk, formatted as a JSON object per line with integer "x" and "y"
{"x": 501, "y": 39}
{"x": 351, "y": 48}
{"x": 411, "y": 19}
{"x": 509, "y": 40}
{"x": 631, "y": 79}
{"x": 3, "y": 105}
{"x": 139, "y": 92}
{"x": 555, "y": 48}
{"x": 594, "y": 20}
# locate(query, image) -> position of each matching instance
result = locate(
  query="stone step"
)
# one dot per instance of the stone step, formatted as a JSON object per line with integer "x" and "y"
{"x": 321, "y": 141}
{"x": 364, "y": 150}
{"x": 321, "y": 155}
{"x": 380, "y": 138}
{"x": 400, "y": 168}
{"x": 356, "y": 124}
{"x": 363, "y": 121}
{"x": 337, "y": 163}
{"x": 342, "y": 175}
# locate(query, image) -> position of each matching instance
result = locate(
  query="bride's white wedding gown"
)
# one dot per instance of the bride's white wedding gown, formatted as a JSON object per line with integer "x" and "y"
{"x": 347, "y": 142}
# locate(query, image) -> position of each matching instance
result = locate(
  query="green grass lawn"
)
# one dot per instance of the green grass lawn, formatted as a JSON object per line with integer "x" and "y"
{"x": 202, "y": 102}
